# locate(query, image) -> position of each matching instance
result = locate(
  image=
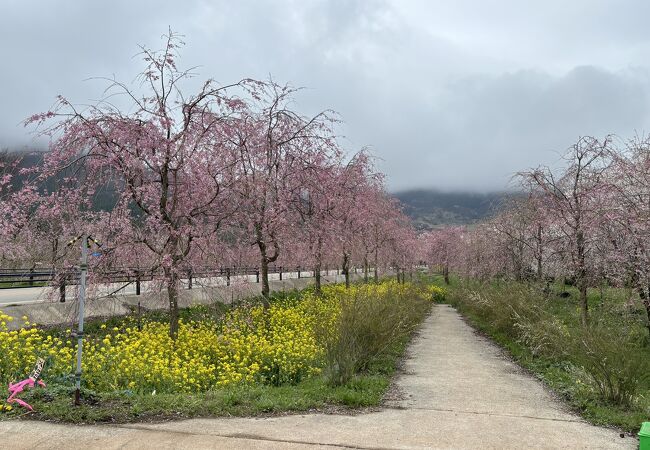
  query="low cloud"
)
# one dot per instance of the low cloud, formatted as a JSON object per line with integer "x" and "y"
{"x": 448, "y": 95}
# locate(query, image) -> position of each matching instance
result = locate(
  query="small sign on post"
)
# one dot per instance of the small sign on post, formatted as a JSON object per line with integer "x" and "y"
{"x": 31, "y": 381}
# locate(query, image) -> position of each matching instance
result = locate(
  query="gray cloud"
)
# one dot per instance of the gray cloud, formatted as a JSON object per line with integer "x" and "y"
{"x": 455, "y": 95}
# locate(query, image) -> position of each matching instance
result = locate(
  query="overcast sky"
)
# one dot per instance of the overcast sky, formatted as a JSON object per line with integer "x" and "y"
{"x": 448, "y": 94}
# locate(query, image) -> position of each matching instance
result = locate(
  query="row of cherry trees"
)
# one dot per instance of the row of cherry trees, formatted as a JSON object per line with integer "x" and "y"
{"x": 588, "y": 221}
{"x": 171, "y": 182}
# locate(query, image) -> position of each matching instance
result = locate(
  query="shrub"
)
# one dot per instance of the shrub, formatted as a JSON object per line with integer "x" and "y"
{"x": 438, "y": 294}
{"x": 612, "y": 358}
{"x": 371, "y": 319}
{"x": 295, "y": 338}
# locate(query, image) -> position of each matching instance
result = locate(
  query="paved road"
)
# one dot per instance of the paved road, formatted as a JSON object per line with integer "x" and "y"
{"x": 42, "y": 294}
{"x": 23, "y": 295}
{"x": 457, "y": 391}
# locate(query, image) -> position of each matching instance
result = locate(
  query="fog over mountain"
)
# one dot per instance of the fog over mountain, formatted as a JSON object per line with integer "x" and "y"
{"x": 448, "y": 95}
{"x": 431, "y": 208}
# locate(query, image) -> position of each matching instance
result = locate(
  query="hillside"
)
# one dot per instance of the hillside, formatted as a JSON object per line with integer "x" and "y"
{"x": 431, "y": 208}
{"x": 428, "y": 208}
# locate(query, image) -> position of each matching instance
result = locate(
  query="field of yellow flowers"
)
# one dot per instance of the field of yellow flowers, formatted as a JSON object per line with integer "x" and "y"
{"x": 247, "y": 345}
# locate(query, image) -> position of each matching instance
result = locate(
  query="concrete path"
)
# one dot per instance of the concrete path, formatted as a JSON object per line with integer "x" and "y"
{"x": 456, "y": 391}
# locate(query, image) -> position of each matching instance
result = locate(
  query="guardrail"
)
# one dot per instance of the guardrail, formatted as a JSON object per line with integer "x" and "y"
{"x": 26, "y": 278}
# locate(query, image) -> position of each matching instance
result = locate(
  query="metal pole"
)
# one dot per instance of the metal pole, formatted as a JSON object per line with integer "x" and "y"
{"x": 80, "y": 332}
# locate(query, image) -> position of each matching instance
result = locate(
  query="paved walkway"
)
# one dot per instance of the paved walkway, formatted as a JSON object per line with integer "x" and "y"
{"x": 457, "y": 391}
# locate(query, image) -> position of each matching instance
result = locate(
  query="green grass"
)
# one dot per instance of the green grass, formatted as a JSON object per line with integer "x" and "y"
{"x": 56, "y": 403}
{"x": 560, "y": 370}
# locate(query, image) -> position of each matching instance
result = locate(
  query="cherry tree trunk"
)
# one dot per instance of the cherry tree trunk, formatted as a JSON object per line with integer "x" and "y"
{"x": 365, "y": 268}
{"x": 172, "y": 294}
{"x": 317, "y": 278}
{"x": 445, "y": 273}
{"x": 582, "y": 278}
{"x": 318, "y": 266}
{"x": 540, "y": 273}
{"x": 264, "y": 275}
{"x": 376, "y": 266}
{"x": 346, "y": 269}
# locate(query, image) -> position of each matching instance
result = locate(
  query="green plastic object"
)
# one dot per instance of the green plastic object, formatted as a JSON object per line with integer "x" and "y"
{"x": 644, "y": 436}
